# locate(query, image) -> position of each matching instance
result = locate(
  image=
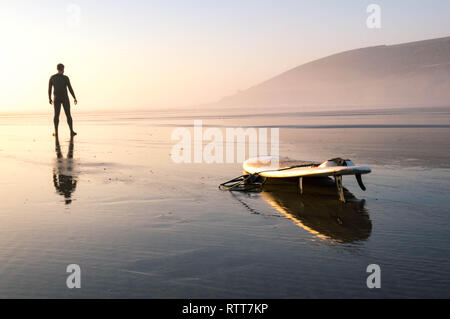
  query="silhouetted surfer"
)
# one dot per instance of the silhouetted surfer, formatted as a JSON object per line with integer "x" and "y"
{"x": 60, "y": 83}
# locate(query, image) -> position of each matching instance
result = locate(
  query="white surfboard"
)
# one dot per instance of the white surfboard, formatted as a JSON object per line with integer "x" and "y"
{"x": 282, "y": 167}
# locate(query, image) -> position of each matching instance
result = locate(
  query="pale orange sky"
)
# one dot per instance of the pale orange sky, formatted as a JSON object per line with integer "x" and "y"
{"x": 125, "y": 55}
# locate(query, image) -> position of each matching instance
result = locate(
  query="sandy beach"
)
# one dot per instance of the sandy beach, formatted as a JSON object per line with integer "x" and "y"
{"x": 139, "y": 225}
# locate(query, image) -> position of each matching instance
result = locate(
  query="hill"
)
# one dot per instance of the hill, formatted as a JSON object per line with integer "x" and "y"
{"x": 409, "y": 74}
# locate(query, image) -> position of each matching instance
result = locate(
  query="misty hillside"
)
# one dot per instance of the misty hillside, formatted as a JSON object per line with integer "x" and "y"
{"x": 409, "y": 74}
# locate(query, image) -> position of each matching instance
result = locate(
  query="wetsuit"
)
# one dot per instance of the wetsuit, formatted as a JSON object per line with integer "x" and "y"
{"x": 60, "y": 83}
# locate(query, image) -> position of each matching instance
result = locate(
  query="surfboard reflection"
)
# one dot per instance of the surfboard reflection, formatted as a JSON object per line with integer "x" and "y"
{"x": 64, "y": 177}
{"x": 318, "y": 211}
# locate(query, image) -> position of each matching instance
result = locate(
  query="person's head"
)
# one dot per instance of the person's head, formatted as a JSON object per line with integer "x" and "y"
{"x": 60, "y": 68}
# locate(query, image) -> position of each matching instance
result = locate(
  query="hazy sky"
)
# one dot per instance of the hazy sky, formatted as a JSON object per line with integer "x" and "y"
{"x": 158, "y": 54}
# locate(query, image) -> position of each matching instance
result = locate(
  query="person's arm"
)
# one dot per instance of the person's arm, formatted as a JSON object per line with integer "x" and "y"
{"x": 50, "y": 84}
{"x": 71, "y": 90}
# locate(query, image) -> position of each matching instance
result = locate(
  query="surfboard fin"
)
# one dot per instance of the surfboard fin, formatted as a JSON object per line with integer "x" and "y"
{"x": 360, "y": 182}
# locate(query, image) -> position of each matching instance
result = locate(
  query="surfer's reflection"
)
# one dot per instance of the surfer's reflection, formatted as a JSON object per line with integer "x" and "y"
{"x": 64, "y": 178}
{"x": 318, "y": 210}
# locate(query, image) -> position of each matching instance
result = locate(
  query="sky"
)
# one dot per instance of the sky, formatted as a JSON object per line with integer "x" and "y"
{"x": 129, "y": 55}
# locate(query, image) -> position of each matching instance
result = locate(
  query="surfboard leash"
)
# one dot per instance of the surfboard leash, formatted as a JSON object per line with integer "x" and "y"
{"x": 253, "y": 182}
{"x": 245, "y": 183}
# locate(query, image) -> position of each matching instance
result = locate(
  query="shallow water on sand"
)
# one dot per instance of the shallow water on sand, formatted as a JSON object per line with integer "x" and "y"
{"x": 140, "y": 225}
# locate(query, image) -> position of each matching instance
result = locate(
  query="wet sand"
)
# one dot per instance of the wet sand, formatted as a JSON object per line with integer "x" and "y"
{"x": 139, "y": 225}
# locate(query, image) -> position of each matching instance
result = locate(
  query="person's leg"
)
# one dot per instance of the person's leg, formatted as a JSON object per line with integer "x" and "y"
{"x": 66, "y": 105}
{"x": 57, "y": 106}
